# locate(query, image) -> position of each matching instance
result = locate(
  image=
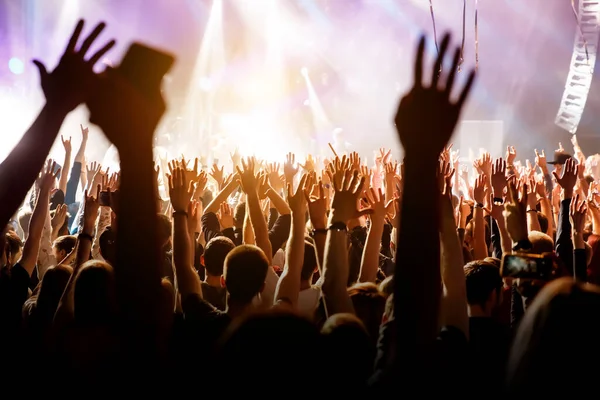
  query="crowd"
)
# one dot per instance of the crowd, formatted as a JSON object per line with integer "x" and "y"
{"x": 321, "y": 277}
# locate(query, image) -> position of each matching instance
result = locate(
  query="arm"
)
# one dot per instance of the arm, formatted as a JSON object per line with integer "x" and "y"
{"x": 62, "y": 183}
{"x": 288, "y": 287}
{"x": 370, "y": 256}
{"x": 188, "y": 281}
{"x": 454, "y": 300}
{"x": 221, "y": 197}
{"x": 578, "y": 211}
{"x": 278, "y": 202}
{"x": 66, "y": 305}
{"x": 101, "y": 224}
{"x": 38, "y": 219}
{"x": 480, "y": 250}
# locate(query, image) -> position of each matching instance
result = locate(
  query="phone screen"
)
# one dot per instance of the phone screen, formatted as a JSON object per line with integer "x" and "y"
{"x": 527, "y": 266}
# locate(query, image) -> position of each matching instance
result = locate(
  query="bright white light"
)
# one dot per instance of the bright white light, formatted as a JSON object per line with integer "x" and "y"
{"x": 205, "y": 84}
{"x": 16, "y": 66}
{"x": 304, "y": 71}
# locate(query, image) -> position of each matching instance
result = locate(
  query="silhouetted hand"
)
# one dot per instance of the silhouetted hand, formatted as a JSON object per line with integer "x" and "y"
{"x": 426, "y": 116}
{"x": 73, "y": 79}
{"x": 568, "y": 179}
{"x": 515, "y": 213}
{"x": 180, "y": 190}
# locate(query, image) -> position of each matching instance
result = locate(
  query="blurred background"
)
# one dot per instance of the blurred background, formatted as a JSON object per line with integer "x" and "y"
{"x": 272, "y": 76}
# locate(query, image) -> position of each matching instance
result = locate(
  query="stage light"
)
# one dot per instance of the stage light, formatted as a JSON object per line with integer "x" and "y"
{"x": 304, "y": 71}
{"x": 16, "y": 66}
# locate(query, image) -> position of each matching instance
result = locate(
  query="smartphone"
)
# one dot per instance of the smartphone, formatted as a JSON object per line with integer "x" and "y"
{"x": 527, "y": 266}
{"x": 145, "y": 67}
{"x": 104, "y": 199}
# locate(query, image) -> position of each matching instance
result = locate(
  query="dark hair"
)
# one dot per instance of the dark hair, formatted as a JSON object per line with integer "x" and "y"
{"x": 239, "y": 214}
{"x": 251, "y": 346}
{"x": 245, "y": 272}
{"x": 164, "y": 228}
{"x": 369, "y": 305}
{"x": 482, "y": 278}
{"x": 310, "y": 261}
{"x": 215, "y": 253}
{"x": 52, "y": 286}
{"x": 543, "y": 221}
{"x": 13, "y": 242}
{"x": 65, "y": 243}
{"x": 107, "y": 245}
{"x": 94, "y": 294}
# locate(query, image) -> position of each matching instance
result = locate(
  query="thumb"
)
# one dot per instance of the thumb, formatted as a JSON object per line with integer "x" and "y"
{"x": 41, "y": 67}
{"x": 366, "y": 211}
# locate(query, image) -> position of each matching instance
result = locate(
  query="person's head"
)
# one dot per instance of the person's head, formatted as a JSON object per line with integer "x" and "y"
{"x": 52, "y": 286}
{"x": 164, "y": 229}
{"x": 94, "y": 294}
{"x": 348, "y": 347}
{"x": 559, "y": 329}
{"x": 369, "y": 305}
{"x": 543, "y": 221}
{"x": 244, "y": 273}
{"x": 310, "y": 263}
{"x": 62, "y": 246}
{"x": 484, "y": 287}
{"x": 253, "y": 344}
{"x": 108, "y": 248}
{"x": 540, "y": 242}
{"x": 239, "y": 214}
{"x": 13, "y": 248}
{"x": 24, "y": 218}
{"x": 215, "y": 252}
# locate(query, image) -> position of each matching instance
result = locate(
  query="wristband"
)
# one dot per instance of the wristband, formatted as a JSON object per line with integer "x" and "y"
{"x": 479, "y": 205}
{"x": 318, "y": 231}
{"x": 85, "y": 236}
{"x": 338, "y": 226}
{"x": 498, "y": 200}
{"x": 180, "y": 213}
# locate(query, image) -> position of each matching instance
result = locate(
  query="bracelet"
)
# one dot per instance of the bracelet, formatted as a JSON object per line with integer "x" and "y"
{"x": 479, "y": 205}
{"x": 532, "y": 210}
{"x": 338, "y": 226}
{"x": 87, "y": 236}
{"x": 318, "y": 231}
{"x": 180, "y": 213}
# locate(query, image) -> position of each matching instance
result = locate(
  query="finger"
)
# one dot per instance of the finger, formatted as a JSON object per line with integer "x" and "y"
{"x": 41, "y": 67}
{"x": 466, "y": 90}
{"x": 452, "y": 74}
{"x": 90, "y": 39}
{"x": 438, "y": 62}
{"x": 419, "y": 62}
{"x": 302, "y": 184}
{"x": 74, "y": 37}
{"x": 321, "y": 190}
{"x": 100, "y": 53}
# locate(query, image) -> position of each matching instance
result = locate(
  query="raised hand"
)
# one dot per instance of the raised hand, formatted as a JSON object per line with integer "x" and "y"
{"x": 60, "y": 215}
{"x": 426, "y": 116}
{"x": 217, "y": 175}
{"x": 90, "y": 211}
{"x": 309, "y": 164}
{"x": 499, "y": 177}
{"x": 377, "y": 202}
{"x": 84, "y": 132}
{"x": 577, "y": 213}
{"x": 180, "y": 190}
{"x": 290, "y": 169}
{"x": 348, "y": 189}
{"x": 275, "y": 178}
{"x": 540, "y": 161}
{"x": 194, "y": 215}
{"x": 317, "y": 205}
{"x": 297, "y": 200}
{"x": 511, "y": 155}
{"x": 263, "y": 186}
{"x": 47, "y": 179}
{"x": 248, "y": 179}
{"x": 92, "y": 169}
{"x": 383, "y": 156}
{"x": 515, "y": 213}
{"x": 568, "y": 179}
{"x": 66, "y": 144}
{"x": 235, "y": 158}
{"x": 73, "y": 79}
{"x": 479, "y": 189}
{"x": 226, "y": 216}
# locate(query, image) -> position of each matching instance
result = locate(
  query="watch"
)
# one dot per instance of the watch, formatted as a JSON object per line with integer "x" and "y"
{"x": 338, "y": 226}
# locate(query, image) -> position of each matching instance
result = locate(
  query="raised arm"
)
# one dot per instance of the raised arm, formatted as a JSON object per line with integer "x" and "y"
{"x": 64, "y": 88}
{"x": 425, "y": 121}
{"x": 66, "y": 167}
{"x": 180, "y": 193}
{"x": 288, "y": 287}
{"x": 45, "y": 184}
{"x": 250, "y": 186}
{"x": 370, "y": 257}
